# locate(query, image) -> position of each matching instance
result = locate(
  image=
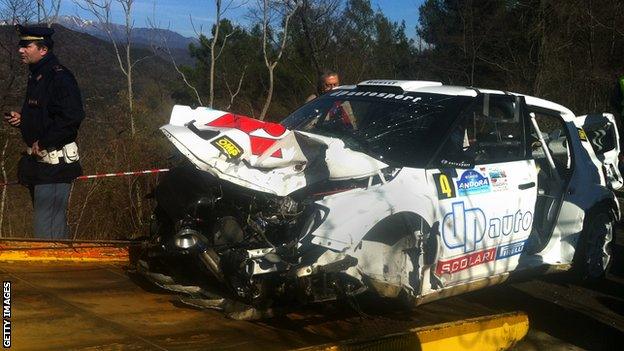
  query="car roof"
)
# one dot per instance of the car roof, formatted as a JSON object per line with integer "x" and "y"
{"x": 432, "y": 87}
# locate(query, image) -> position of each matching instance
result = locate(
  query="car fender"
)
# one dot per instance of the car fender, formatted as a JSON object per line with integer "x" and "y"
{"x": 351, "y": 215}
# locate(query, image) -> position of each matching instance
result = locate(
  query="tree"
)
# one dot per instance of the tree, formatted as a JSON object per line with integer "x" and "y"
{"x": 567, "y": 52}
{"x": 47, "y": 11}
{"x": 213, "y": 47}
{"x": 234, "y": 64}
{"x": 16, "y": 11}
{"x": 315, "y": 27}
{"x": 160, "y": 44}
{"x": 101, "y": 9}
{"x": 284, "y": 11}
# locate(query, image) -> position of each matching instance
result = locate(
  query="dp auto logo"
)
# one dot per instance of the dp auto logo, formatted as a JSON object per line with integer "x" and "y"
{"x": 465, "y": 227}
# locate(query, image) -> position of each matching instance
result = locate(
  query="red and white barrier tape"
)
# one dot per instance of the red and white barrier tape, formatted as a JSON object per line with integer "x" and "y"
{"x": 108, "y": 175}
{"x": 122, "y": 174}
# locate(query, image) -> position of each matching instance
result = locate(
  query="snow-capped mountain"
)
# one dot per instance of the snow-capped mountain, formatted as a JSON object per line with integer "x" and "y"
{"x": 140, "y": 36}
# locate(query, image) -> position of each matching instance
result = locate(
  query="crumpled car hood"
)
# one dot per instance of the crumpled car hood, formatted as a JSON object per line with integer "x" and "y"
{"x": 260, "y": 155}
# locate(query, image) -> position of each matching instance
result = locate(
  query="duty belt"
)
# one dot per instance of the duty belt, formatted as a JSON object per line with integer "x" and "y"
{"x": 67, "y": 154}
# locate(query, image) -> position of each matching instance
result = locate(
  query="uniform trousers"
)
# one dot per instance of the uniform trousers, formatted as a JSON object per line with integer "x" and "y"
{"x": 50, "y": 205}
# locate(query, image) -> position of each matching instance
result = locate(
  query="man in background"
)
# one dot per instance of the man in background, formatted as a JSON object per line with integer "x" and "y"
{"x": 49, "y": 122}
{"x": 326, "y": 82}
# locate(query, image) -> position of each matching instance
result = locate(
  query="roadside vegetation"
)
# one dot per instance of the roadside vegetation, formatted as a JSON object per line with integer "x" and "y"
{"x": 569, "y": 52}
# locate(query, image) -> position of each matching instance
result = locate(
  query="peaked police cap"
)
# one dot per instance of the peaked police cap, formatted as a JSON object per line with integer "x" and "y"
{"x": 31, "y": 34}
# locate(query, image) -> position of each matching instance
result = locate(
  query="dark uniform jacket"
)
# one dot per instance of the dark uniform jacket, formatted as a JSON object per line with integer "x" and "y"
{"x": 51, "y": 114}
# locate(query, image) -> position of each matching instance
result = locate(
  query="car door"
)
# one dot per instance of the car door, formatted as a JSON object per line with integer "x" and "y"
{"x": 486, "y": 191}
{"x": 602, "y": 133}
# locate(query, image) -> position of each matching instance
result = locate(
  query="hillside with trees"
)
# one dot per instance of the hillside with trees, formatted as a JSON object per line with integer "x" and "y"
{"x": 568, "y": 52}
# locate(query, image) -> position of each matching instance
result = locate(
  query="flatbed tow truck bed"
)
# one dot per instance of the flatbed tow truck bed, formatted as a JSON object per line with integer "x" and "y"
{"x": 83, "y": 305}
{"x": 95, "y": 304}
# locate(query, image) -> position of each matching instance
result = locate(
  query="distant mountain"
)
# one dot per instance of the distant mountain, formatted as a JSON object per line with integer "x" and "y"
{"x": 141, "y": 36}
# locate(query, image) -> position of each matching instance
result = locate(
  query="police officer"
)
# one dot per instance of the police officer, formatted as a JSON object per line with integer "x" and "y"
{"x": 49, "y": 122}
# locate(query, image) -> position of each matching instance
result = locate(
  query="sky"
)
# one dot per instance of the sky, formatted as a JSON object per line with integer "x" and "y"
{"x": 174, "y": 14}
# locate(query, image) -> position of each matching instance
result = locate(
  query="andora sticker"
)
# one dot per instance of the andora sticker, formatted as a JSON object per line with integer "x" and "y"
{"x": 472, "y": 182}
{"x": 445, "y": 186}
{"x": 464, "y": 262}
{"x": 228, "y": 146}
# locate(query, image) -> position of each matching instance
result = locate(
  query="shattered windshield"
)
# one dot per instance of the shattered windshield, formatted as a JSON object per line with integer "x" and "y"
{"x": 401, "y": 129}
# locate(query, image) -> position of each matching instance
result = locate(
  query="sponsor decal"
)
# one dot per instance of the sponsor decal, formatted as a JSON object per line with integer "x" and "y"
{"x": 582, "y": 134}
{"x": 464, "y": 262}
{"x": 456, "y": 164}
{"x": 498, "y": 179}
{"x": 472, "y": 182}
{"x": 381, "y": 82}
{"x": 509, "y": 250}
{"x": 510, "y": 224}
{"x": 375, "y": 94}
{"x": 229, "y": 147}
{"x": 445, "y": 186}
{"x": 464, "y": 228}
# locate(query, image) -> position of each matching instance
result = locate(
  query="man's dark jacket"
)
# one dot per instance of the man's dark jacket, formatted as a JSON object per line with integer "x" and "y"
{"x": 51, "y": 114}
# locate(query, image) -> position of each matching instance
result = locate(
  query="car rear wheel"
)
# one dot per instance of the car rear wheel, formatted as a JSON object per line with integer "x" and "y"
{"x": 593, "y": 254}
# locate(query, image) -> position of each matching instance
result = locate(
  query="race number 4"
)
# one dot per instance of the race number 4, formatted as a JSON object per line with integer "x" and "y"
{"x": 445, "y": 186}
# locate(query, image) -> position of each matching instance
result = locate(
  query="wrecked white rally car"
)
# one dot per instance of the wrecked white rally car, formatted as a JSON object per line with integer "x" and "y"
{"x": 407, "y": 189}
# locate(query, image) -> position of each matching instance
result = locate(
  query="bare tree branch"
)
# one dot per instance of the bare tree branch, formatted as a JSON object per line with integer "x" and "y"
{"x": 214, "y": 55}
{"x": 233, "y": 95}
{"x": 223, "y": 44}
{"x": 50, "y": 11}
{"x": 17, "y": 11}
{"x": 213, "y": 43}
{"x": 164, "y": 47}
{"x": 101, "y": 9}
{"x": 201, "y": 29}
{"x": 92, "y": 189}
{"x": 4, "y": 180}
{"x": 271, "y": 64}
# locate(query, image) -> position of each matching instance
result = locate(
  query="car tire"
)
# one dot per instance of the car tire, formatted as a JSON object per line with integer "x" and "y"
{"x": 594, "y": 250}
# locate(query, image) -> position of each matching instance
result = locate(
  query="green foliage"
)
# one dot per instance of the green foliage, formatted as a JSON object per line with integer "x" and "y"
{"x": 569, "y": 52}
{"x": 353, "y": 39}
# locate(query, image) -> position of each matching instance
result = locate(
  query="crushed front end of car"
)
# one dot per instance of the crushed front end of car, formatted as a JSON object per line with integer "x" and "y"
{"x": 240, "y": 214}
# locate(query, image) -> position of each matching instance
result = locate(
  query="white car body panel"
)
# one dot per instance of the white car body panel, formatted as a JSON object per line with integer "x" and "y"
{"x": 346, "y": 224}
